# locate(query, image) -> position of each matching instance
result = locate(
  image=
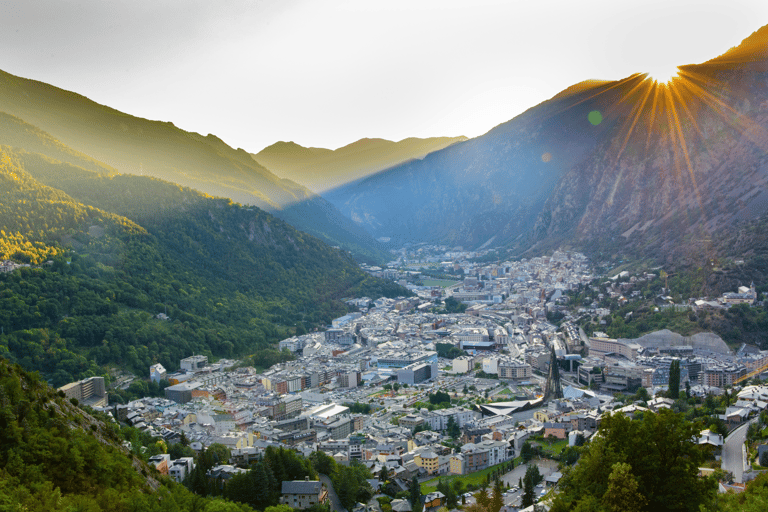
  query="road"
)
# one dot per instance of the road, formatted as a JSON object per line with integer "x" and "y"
{"x": 336, "y": 505}
{"x": 733, "y": 452}
{"x": 513, "y": 478}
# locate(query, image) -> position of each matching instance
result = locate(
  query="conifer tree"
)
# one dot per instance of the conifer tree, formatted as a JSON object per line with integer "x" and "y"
{"x": 497, "y": 500}
{"x": 674, "y": 379}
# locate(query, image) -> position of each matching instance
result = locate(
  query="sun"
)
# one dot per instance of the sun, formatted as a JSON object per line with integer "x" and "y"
{"x": 663, "y": 74}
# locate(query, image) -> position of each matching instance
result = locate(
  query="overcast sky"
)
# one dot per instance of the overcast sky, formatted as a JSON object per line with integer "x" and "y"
{"x": 326, "y": 73}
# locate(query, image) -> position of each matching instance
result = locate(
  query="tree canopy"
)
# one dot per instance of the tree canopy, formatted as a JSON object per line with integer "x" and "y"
{"x": 655, "y": 457}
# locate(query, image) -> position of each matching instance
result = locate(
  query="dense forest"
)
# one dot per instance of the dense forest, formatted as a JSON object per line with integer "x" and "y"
{"x": 110, "y": 252}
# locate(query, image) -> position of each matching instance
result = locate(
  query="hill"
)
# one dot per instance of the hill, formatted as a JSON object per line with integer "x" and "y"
{"x": 56, "y": 456}
{"x": 233, "y": 280}
{"x": 629, "y": 168}
{"x": 321, "y": 169}
{"x": 142, "y": 147}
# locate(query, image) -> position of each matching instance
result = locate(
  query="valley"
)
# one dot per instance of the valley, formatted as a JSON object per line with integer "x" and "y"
{"x": 391, "y": 325}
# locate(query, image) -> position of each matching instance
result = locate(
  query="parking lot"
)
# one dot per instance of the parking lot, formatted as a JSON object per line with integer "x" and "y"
{"x": 514, "y": 496}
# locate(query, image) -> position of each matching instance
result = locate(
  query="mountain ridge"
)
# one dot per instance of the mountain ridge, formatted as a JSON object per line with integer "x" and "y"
{"x": 627, "y": 167}
{"x": 320, "y": 169}
{"x": 139, "y": 146}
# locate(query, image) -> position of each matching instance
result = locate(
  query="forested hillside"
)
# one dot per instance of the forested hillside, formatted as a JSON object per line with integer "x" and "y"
{"x": 233, "y": 280}
{"x": 54, "y": 456}
{"x": 45, "y": 119}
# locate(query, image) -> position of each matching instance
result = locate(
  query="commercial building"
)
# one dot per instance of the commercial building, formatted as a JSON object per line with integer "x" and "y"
{"x": 603, "y": 346}
{"x": 181, "y": 393}
{"x": 399, "y": 359}
{"x": 194, "y": 363}
{"x": 417, "y": 373}
{"x": 91, "y": 391}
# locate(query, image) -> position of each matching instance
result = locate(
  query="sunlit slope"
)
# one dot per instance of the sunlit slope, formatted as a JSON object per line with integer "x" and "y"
{"x": 140, "y": 146}
{"x": 321, "y": 169}
{"x": 152, "y": 148}
{"x": 37, "y": 221}
{"x": 20, "y": 134}
{"x": 632, "y": 166}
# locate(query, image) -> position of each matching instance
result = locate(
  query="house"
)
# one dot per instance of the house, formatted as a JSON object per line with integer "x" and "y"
{"x": 659, "y": 403}
{"x": 301, "y": 494}
{"x": 558, "y": 430}
{"x": 161, "y": 462}
{"x": 223, "y": 472}
{"x": 735, "y": 415}
{"x": 711, "y": 442}
{"x": 433, "y": 500}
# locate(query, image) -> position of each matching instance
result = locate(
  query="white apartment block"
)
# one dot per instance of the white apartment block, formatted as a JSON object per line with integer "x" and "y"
{"x": 438, "y": 420}
{"x": 491, "y": 365}
{"x": 463, "y": 364}
{"x": 157, "y": 372}
{"x": 498, "y": 451}
{"x": 514, "y": 370}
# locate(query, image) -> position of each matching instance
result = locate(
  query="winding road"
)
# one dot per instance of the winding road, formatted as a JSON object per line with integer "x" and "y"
{"x": 734, "y": 455}
{"x": 336, "y": 505}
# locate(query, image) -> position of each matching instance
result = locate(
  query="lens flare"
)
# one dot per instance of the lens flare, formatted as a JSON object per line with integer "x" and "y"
{"x": 595, "y": 117}
{"x": 663, "y": 74}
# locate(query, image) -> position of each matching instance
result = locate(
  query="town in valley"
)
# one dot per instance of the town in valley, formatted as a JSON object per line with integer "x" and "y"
{"x": 485, "y": 369}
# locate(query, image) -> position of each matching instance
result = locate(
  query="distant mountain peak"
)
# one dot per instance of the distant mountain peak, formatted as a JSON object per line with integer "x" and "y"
{"x": 321, "y": 169}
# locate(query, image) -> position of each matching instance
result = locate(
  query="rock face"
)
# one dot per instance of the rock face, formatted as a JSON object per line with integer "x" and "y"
{"x": 632, "y": 166}
{"x": 689, "y": 168}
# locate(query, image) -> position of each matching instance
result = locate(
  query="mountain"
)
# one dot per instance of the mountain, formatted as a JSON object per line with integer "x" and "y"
{"x": 489, "y": 187}
{"x": 111, "y": 251}
{"x": 628, "y": 167}
{"x": 138, "y": 146}
{"x": 321, "y": 169}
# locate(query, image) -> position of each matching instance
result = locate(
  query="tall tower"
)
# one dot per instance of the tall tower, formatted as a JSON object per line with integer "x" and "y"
{"x": 554, "y": 389}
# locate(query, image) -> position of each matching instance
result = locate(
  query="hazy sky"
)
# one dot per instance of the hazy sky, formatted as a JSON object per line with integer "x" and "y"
{"x": 326, "y": 73}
